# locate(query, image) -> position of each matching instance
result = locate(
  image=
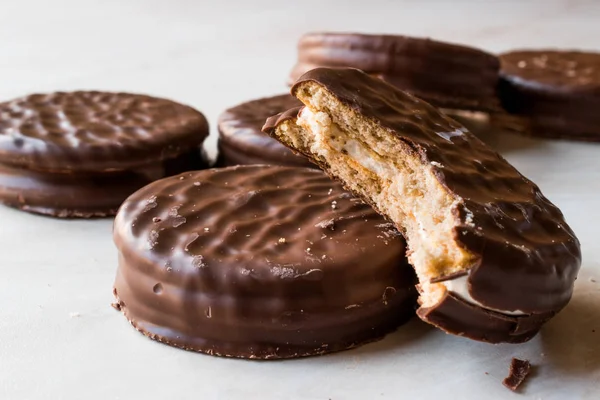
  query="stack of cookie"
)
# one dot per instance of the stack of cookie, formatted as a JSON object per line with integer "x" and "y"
{"x": 264, "y": 258}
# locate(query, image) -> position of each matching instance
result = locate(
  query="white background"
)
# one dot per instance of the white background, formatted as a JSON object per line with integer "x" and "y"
{"x": 59, "y": 337}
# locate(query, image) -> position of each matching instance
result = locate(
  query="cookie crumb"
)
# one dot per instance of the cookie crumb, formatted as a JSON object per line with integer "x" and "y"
{"x": 116, "y": 306}
{"x": 518, "y": 371}
{"x": 281, "y": 240}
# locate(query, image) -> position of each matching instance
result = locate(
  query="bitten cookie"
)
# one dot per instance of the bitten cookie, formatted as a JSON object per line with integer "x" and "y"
{"x": 557, "y": 93}
{"x": 259, "y": 262}
{"x": 241, "y": 140}
{"x": 447, "y": 75}
{"x": 495, "y": 259}
{"x": 80, "y": 154}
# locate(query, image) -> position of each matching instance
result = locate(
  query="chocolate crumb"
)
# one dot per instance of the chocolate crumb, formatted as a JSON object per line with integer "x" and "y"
{"x": 518, "y": 371}
{"x": 116, "y": 306}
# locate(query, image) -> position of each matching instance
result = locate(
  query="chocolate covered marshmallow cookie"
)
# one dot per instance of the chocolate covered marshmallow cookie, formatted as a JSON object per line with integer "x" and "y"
{"x": 446, "y": 75}
{"x": 80, "y": 154}
{"x": 552, "y": 93}
{"x": 259, "y": 262}
{"x": 494, "y": 257}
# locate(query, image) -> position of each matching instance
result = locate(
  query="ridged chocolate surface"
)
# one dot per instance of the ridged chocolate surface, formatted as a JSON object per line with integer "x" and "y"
{"x": 444, "y": 74}
{"x": 558, "y": 92}
{"x": 528, "y": 257}
{"x": 95, "y": 131}
{"x": 242, "y": 142}
{"x": 84, "y": 195}
{"x": 259, "y": 262}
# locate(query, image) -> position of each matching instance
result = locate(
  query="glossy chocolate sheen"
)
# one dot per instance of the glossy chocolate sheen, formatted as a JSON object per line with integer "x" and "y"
{"x": 241, "y": 140}
{"x": 527, "y": 256}
{"x": 444, "y": 74}
{"x": 259, "y": 262}
{"x": 557, "y": 92}
{"x": 96, "y": 131}
{"x": 84, "y": 195}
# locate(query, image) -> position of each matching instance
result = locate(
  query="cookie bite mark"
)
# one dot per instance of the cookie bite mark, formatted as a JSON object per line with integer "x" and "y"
{"x": 402, "y": 188}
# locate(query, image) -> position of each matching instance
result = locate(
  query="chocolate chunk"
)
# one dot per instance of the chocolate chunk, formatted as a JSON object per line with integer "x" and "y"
{"x": 241, "y": 140}
{"x": 259, "y": 262}
{"x": 554, "y": 94}
{"x": 519, "y": 369}
{"x": 444, "y": 74}
{"x": 495, "y": 258}
{"x": 80, "y": 154}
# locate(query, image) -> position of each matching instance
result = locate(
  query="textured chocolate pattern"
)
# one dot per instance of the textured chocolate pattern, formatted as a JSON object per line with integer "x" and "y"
{"x": 259, "y": 262}
{"x": 444, "y": 74}
{"x": 528, "y": 257}
{"x": 95, "y": 131}
{"x": 557, "y": 92}
{"x": 241, "y": 140}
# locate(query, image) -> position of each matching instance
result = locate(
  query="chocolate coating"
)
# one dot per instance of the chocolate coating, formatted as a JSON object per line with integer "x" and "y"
{"x": 259, "y": 262}
{"x": 527, "y": 256}
{"x": 444, "y": 74}
{"x": 556, "y": 92}
{"x": 96, "y": 131}
{"x": 88, "y": 195}
{"x": 518, "y": 371}
{"x": 241, "y": 140}
{"x": 80, "y": 154}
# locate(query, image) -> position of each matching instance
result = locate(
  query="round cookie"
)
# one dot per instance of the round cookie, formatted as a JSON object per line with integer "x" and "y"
{"x": 242, "y": 142}
{"x": 80, "y": 154}
{"x": 554, "y": 94}
{"x": 446, "y": 75}
{"x": 259, "y": 262}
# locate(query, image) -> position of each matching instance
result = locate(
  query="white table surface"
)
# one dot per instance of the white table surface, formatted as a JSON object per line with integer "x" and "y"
{"x": 59, "y": 337}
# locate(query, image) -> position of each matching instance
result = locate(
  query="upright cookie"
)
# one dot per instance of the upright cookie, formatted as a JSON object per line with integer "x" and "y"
{"x": 495, "y": 258}
{"x": 80, "y": 154}
{"x": 241, "y": 140}
{"x": 556, "y": 92}
{"x": 259, "y": 262}
{"x": 444, "y": 74}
